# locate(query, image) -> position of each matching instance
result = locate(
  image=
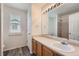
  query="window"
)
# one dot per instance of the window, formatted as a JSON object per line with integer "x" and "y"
{"x": 15, "y": 24}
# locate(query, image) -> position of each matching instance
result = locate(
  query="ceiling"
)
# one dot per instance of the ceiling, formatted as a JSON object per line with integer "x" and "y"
{"x": 24, "y": 6}
{"x": 40, "y": 5}
{"x": 64, "y": 9}
{"x": 21, "y": 6}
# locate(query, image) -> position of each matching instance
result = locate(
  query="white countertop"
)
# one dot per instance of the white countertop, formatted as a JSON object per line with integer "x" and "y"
{"x": 49, "y": 43}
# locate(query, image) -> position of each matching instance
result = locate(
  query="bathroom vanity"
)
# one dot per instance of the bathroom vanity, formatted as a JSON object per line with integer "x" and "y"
{"x": 41, "y": 50}
{"x": 43, "y": 46}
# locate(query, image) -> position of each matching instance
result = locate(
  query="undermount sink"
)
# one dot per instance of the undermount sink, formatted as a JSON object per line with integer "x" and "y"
{"x": 64, "y": 47}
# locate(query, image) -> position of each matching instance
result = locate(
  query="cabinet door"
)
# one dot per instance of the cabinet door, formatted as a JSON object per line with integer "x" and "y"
{"x": 39, "y": 49}
{"x": 34, "y": 46}
{"x": 47, "y": 52}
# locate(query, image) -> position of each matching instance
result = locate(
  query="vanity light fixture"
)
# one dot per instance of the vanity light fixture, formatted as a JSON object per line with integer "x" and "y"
{"x": 52, "y": 7}
{"x": 55, "y": 6}
{"x": 48, "y": 10}
{"x": 58, "y": 4}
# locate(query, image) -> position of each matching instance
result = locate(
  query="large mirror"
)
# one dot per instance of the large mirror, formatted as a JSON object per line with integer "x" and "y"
{"x": 63, "y": 21}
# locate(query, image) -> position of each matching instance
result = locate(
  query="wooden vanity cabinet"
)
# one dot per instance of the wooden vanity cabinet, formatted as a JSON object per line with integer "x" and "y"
{"x": 39, "y": 49}
{"x": 57, "y": 54}
{"x": 34, "y": 46}
{"x": 47, "y": 51}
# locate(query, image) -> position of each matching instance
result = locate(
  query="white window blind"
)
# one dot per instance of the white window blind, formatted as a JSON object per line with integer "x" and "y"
{"x": 15, "y": 25}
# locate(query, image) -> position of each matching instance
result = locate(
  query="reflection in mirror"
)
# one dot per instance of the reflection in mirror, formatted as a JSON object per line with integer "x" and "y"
{"x": 62, "y": 22}
{"x": 52, "y": 23}
{"x": 74, "y": 26}
{"x": 64, "y": 25}
{"x": 44, "y": 23}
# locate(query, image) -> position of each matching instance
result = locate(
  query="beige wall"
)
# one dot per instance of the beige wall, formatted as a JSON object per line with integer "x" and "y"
{"x": 36, "y": 20}
{"x": 12, "y": 41}
{"x": 39, "y": 20}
